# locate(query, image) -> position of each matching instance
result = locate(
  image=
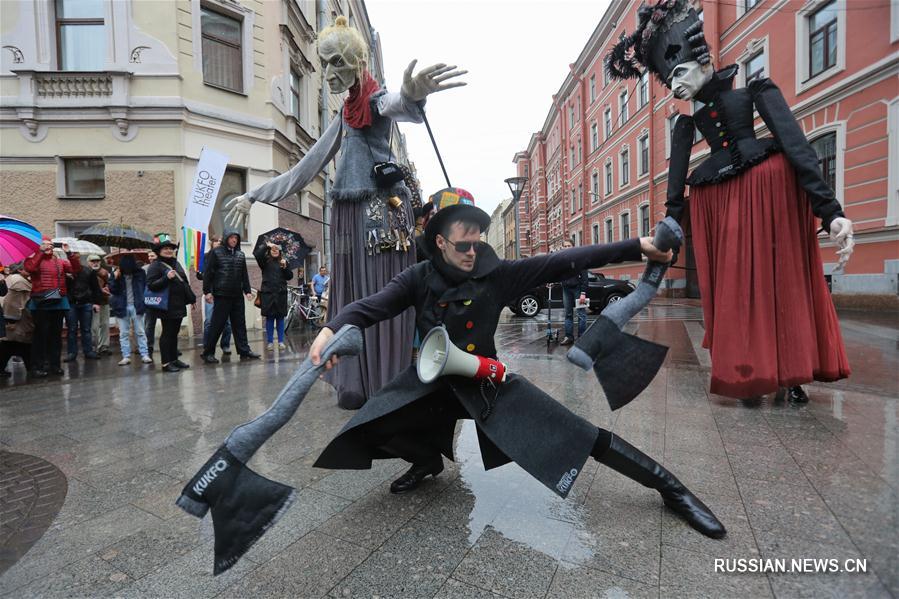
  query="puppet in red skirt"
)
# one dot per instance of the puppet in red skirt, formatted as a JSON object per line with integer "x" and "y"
{"x": 769, "y": 319}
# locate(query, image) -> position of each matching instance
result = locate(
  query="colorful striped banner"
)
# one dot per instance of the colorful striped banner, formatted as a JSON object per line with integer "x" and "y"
{"x": 193, "y": 248}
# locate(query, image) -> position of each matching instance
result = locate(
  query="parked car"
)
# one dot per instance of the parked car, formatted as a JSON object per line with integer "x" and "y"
{"x": 601, "y": 292}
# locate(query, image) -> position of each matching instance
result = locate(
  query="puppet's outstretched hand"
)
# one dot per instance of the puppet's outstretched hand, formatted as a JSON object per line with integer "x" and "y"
{"x": 429, "y": 80}
{"x": 238, "y": 211}
{"x": 841, "y": 232}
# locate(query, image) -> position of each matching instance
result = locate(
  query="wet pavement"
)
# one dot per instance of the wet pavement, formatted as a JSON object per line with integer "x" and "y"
{"x": 819, "y": 481}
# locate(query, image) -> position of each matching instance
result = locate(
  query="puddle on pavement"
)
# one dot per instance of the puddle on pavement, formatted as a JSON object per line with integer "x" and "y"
{"x": 520, "y": 508}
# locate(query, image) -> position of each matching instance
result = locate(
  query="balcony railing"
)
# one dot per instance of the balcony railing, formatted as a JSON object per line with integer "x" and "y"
{"x": 73, "y": 88}
{"x": 72, "y": 85}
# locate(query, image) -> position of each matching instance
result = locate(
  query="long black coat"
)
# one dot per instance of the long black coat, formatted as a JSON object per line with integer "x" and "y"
{"x": 470, "y": 311}
{"x": 225, "y": 272}
{"x": 273, "y": 290}
{"x": 180, "y": 293}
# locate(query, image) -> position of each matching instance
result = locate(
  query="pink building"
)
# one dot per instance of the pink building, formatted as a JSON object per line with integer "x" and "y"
{"x": 598, "y": 166}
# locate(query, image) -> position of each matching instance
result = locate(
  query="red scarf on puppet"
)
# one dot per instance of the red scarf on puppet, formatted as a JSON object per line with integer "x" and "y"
{"x": 357, "y": 109}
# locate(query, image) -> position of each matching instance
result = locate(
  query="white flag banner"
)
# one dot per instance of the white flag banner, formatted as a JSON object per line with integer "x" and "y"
{"x": 205, "y": 189}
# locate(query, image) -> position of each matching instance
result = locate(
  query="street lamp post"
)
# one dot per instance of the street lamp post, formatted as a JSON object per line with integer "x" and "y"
{"x": 516, "y": 186}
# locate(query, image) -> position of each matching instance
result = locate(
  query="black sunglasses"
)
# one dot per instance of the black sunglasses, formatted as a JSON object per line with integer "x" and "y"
{"x": 463, "y": 246}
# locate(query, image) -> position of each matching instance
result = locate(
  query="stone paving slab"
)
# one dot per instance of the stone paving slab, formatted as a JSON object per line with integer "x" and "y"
{"x": 814, "y": 481}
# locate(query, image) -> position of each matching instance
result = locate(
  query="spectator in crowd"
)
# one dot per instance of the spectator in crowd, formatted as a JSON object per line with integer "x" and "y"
{"x": 164, "y": 274}
{"x": 320, "y": 282}
{"x": 574, "y": 290}
{"x": 225, "y": 280}
{"x": 3, "y": 291}
{"x": 16, "y": 339}
{"x": 149, "y": 318}
{"x": 84, "y": 298}
{"x": 49, "y": 304}
{"x": 273, "y": 291}
{"x": 127, "y": 305}
{"x": 225, "y": 343}
{"x": 100, "y": 323}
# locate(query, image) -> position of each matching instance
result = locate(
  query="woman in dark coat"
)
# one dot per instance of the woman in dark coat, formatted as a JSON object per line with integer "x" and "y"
{"x": 273, "y": 291}
{"x": 162, "y": 274}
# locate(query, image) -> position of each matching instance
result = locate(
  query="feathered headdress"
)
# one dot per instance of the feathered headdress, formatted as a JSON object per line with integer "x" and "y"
{"x": 669, "y": 33}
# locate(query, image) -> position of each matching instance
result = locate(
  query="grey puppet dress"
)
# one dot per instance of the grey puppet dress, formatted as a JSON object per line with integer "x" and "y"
{"x": 370, "y": 241}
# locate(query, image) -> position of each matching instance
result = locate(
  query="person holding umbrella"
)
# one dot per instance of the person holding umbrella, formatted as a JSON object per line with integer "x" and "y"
{"x": 225, "y": 278}
{"x": 273, "y": 291}
{"x": 48, "y": 304}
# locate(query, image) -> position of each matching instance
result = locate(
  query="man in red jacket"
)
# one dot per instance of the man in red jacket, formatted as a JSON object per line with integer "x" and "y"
{"x": 49, "y": 304}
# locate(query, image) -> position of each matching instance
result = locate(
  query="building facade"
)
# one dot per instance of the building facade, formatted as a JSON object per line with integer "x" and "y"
{"x": 496, "y": 234}
{"x": 598, "y": 166}
{"x": 106, "y": 105}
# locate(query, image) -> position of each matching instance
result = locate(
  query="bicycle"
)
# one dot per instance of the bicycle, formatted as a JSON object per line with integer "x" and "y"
{"x": 303, "y": 306}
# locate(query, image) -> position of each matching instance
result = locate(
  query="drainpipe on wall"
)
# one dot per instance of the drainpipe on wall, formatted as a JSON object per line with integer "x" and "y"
{"x": 323, "y": 124}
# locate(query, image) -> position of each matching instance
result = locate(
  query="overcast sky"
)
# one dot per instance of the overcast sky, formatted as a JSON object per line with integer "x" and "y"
{"x": 517, "y": 55}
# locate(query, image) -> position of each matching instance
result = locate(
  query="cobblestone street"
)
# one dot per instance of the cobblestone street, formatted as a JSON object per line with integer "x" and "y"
{"x": 118, "y": 443}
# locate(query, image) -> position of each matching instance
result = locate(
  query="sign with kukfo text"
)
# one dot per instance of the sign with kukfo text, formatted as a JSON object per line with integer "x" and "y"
{"x": 205, "y": 189}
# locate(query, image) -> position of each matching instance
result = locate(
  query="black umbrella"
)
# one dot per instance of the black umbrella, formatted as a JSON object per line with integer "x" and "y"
{"x": 294, "y": 248}
{"x": 120, "y": 236}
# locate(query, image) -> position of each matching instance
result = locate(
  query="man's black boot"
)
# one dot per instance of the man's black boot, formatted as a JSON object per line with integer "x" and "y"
{"x": 417, "y": 473}
{"x": 626, "y": 459}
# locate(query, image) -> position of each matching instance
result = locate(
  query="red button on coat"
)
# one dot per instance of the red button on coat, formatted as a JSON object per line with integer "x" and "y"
{"x": 724, "y": 144}
{"x": 714, "y": 114}
{"x": 469, "y": 325}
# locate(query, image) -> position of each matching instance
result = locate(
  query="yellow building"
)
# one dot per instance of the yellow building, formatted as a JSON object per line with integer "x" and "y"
{"x": 105, "y": 107}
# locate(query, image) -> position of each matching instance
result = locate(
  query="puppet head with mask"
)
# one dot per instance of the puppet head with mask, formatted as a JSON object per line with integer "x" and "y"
{"x": 669, "y": 43}
{"x": 344, "y": 53}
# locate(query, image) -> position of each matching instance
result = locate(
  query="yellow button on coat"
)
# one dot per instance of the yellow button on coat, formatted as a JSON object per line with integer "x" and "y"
{"x": 469, "y": 347}
{"x": 466, "y": 303}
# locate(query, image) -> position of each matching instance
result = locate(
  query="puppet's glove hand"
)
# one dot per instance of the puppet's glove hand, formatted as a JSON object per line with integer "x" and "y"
{"x": 238, "y": 211}
{"x": 429, "y": 80}
{"x": 841, "y": 232}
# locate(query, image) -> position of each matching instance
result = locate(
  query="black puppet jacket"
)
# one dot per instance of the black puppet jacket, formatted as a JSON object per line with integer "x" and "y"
{"x": 470, "y": 311}
{"x": 726, "y": 121}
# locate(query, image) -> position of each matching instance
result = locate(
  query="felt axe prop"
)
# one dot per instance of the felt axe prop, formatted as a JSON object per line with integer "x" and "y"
{"x": 245, "y": 504}
{"x": 624, "y": 363}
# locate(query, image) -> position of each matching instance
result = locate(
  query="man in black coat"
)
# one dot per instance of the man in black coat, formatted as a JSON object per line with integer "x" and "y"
{"x": 464, "y": 287}
{"x": 226, "y": 281}
{"x": 574, "y": 290}
{"x": 84, "y": 295}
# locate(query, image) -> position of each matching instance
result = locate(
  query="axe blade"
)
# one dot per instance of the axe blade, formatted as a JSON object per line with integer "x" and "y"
{"x": 625, "y": 372}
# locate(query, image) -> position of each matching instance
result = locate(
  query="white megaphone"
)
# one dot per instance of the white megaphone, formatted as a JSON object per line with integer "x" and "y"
{"x": 439, "y": 357}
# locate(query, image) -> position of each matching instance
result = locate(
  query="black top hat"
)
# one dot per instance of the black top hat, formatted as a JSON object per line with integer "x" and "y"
{"x": 452, "y": 203}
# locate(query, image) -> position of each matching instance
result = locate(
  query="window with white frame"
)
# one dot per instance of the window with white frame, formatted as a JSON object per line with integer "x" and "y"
{"x": 754, "y": 68}
{"x": 643, "y": 155}
{"x": 580, "y": 151}
{"x": 826, "y": 148}
{"x": 605, "y": 77}
{"x": 622, "y": 107}
{"x": 644, "y": 220}
{"x": 594, "y": 185}
{"x": 80, "y": 35}
{"x": 643, "y": 90}
{"x": 84, "y": 178}
{"x": 295, "y": 85}
{"x": 669, "y": 133}
{"x": 570, "y": 116}
{"x": 74, "y": 228}
{"x": 573, "y": 202}
{"x": 748, "y": 4}
{"x": 624, "y": 166}
{"x": 610, "y": 231}
{"x": 607, "y": 122}
{"x": 625, "y": 226}
{"x": 697, "y": 134}
{"x": 594, "y": 136}
{"x": 608, "y": 177}
{"x": 820, "y": 42}
{"x": 572, "y": 156}
{"x": 594, "y": 231}
{"x": 592, "y": 88}
{"x": 222, "y": 52}
{"x": 822, "y": 39}
{"x": 580, "y": 196}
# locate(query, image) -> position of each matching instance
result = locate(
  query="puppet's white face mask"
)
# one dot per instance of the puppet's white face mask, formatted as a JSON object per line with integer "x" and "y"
{"x": 340, "y": 64}
{"x": 688, "y": 78}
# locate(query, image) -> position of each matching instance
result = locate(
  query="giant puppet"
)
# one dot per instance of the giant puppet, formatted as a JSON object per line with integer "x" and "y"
{"x": 769, "y": 320}
{"x": 372, "y": 221}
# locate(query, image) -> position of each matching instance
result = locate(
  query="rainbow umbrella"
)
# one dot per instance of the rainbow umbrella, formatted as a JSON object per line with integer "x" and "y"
{"x": 18, "y": 240}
